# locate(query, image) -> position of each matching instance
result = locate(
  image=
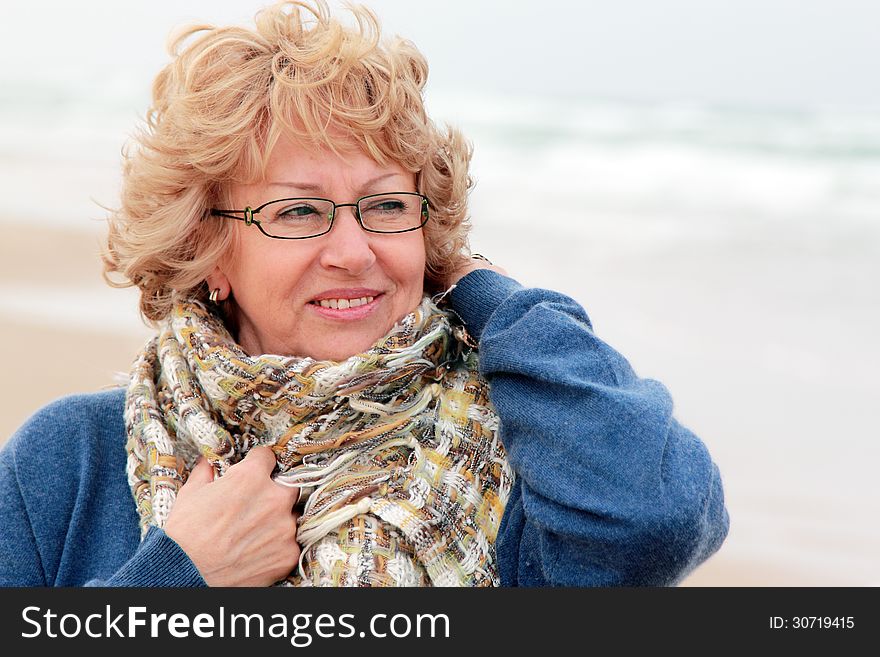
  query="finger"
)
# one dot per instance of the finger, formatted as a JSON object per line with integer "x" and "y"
{"x": 260, "y": 457}
{"x": 296, "y": 495}
{"x": 201, "y": 475}
{"x": 293, "y": 492}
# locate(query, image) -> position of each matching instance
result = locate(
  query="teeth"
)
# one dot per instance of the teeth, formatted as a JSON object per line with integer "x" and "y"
{"x": 343, "y": 304}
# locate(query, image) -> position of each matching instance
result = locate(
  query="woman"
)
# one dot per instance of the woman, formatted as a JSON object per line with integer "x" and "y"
{"x": 336, "y": 394}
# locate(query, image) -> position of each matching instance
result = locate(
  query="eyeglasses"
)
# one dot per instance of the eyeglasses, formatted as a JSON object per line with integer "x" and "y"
{"x": 301, "y": 218}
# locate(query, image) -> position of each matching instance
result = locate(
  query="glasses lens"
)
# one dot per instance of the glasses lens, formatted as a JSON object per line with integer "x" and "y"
{"x": 300, "y": 217}
{"x": 391, "y": 213}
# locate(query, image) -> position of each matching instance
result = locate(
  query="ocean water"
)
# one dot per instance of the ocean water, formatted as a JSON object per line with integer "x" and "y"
{"x": 685, "y": 170}
{"x": 732, "y": 253}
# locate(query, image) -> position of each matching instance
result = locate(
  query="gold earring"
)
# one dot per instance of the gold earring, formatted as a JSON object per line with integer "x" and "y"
{"x": 213, "y": 296}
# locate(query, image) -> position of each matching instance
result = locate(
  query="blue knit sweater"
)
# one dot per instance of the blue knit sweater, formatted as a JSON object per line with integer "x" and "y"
{"x": 610, "y": 489}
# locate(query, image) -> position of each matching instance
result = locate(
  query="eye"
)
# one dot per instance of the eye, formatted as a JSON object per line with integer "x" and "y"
{"x": 297, "y": 211}
{"x": 383, "y": 205}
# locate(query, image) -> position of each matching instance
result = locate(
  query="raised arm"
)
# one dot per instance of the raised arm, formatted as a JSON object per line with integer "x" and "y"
{"x": 611, "y": 489}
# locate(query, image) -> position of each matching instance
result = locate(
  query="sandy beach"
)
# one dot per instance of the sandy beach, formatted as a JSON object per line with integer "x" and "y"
{"x": 42, "y": 268}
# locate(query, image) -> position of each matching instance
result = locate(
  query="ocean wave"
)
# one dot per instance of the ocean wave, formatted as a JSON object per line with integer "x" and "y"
{"x": 533, "y": 155}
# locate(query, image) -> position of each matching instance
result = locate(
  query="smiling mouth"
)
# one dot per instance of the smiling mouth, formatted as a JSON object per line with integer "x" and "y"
{"x": 343, "y": 304}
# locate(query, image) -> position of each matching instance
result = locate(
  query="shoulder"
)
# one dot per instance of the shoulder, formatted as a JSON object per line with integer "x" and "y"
{"x": 93, "y": 407}
{"x": 65, "y": 479}
{"x": 67, "y": 427}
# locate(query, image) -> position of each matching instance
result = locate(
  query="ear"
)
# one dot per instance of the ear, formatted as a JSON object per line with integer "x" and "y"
{"x": 217, "y": 280}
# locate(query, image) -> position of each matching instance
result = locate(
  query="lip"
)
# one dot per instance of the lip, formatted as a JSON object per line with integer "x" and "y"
{"x": 347, "y": 314}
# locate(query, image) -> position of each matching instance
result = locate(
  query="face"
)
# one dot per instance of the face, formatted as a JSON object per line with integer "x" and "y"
{"x": 276, "y": 286}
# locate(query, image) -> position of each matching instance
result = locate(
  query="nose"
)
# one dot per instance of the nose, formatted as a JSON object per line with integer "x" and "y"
{"x": 347, "y": 246}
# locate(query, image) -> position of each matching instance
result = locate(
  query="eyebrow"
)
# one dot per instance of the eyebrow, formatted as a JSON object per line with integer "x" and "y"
{"x": 315, "y": 187}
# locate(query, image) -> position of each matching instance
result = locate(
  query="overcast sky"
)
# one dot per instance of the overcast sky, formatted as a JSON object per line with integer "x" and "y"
{"x": 753, "y": 53}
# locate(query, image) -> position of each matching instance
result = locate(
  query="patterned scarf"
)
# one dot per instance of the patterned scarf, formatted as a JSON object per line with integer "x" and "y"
{"x": 395, "y": 450}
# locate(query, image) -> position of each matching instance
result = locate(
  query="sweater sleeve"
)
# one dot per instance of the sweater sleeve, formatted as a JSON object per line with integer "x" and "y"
{"x": 158, "y": 562}
{"x": 610, "y": 489}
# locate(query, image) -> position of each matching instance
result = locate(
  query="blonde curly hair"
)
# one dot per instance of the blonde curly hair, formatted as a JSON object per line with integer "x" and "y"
{"x": 221, "y": 105}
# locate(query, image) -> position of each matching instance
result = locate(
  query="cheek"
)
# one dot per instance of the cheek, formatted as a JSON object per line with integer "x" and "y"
{"x": 265, "y": 269}
{"x": 411, "y": 267}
